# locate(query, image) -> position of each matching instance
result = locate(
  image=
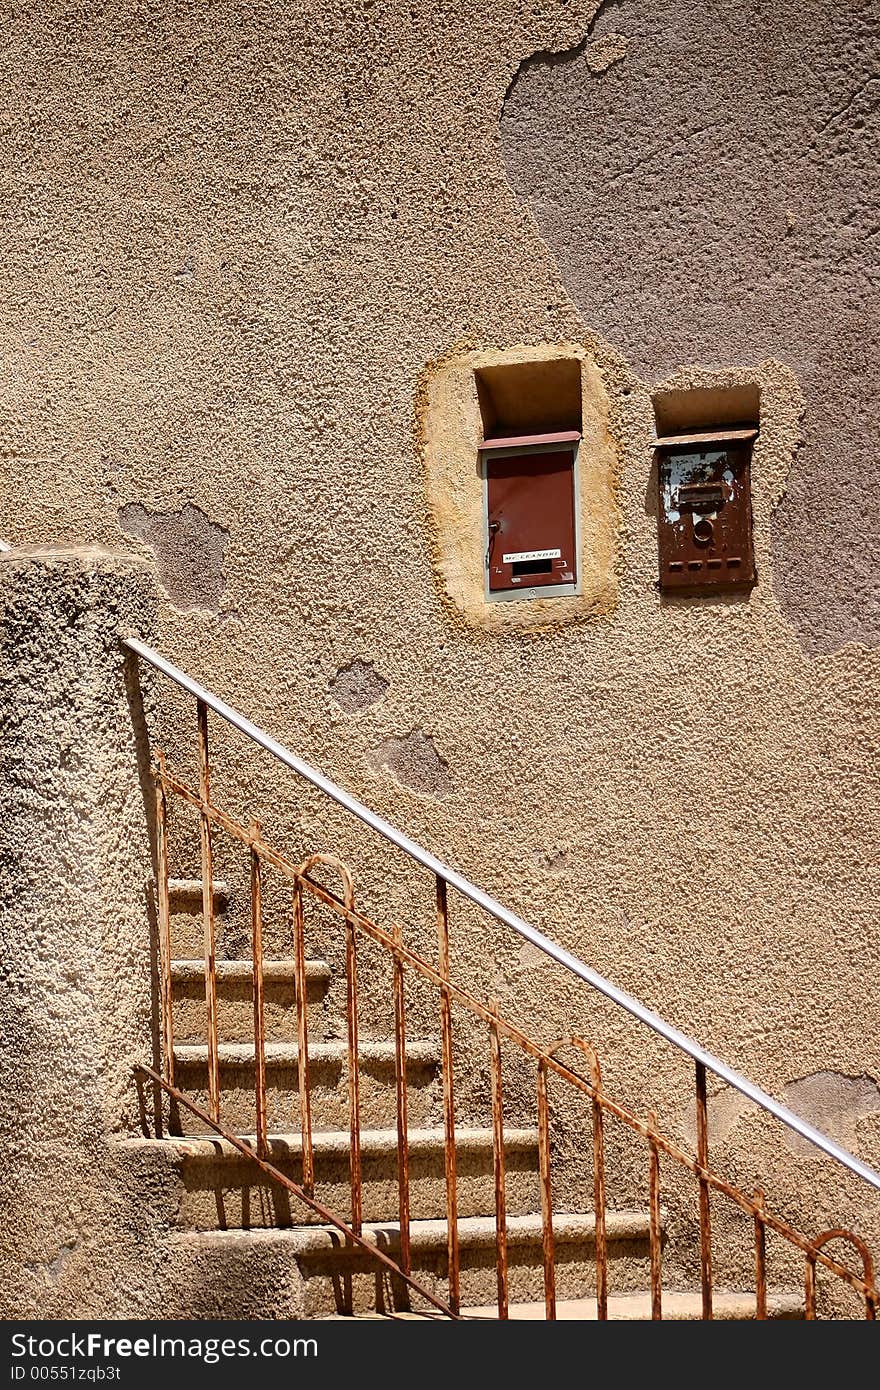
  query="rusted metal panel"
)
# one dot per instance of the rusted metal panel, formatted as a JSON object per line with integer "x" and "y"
{"x": 705, "y": 517}
{"x": 531, "y": 520}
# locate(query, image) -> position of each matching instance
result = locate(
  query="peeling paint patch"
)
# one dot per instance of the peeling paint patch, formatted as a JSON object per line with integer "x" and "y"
{"x": 834, "y": 1103}
{"x": 610, "y": 48}
{"x": 189, "y": 550}
{"x": 415, "y": 762}
{"x": 724, "y": 1110}
{"x": 357, "y": 686}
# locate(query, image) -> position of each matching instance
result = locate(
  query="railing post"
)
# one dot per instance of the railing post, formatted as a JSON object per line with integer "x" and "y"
{"x": 448, "y": 1096}
{"x": 810, "y": 1288}
{"x": 302, "y": 1030}
{"x": 400, "y": 1083}
{"x": 354, "y": 1104}
{"x": 599, "y": 1192}
{"x": 654, "y": 1209}
{"x": 760, "y": 1257}
{"x": 705, "y": 1214}
{"x": 546, "y": 1194}
{"x": 498, "y": 1156}
{"x": 259, "y": 1007}
{"x": 208, "y": 916}
{"x": 163, "y": 912}
{"x": 868, "y": 1286}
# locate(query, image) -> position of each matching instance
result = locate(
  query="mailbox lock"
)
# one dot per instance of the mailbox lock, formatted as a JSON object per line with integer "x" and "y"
{"x": 704, "y": 531}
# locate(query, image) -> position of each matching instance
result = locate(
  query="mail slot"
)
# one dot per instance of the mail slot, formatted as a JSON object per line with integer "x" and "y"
{"x": 705, "y": 510}
{"x": 531, "y": 519}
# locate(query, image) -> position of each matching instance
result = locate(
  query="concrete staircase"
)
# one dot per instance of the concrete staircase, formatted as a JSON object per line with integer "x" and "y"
{"x": 231, "y": 1230}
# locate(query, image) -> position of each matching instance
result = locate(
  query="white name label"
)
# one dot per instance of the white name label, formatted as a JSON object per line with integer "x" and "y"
{"x": 515, "y": 558}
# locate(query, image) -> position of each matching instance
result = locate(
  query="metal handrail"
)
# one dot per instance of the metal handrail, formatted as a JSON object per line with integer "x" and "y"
{"x": 503, "y": 914}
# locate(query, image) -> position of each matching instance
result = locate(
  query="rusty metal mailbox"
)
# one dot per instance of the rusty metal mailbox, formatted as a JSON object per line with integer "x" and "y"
{"x": 705, "y": 510}
{"x": 531, "y": 515}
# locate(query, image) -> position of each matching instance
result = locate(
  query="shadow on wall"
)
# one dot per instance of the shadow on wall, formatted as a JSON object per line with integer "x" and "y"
{"x": 708, "y": 195}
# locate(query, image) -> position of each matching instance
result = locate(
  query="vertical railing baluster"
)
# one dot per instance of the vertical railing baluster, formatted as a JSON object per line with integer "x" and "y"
{"x": 259, "y": 1006}
{"x": 448, "y": 1096}
{"x": 498, "y": 1157}
{"x": 402, "y": 1126}
{"x": 810, "y": 1289}
{"x": 208, "y": 916}
{"x": 760, "y": 1257}
{"x": 163, "y": 912}
{"x": 546, "y": 1194}
{"x": 599, "y": 1192}
{"x": 654, "y": 1214}
{"x": 354, "y": 1100}
{"x": 302, "y": 1032}
{"x": 705, "y": 1213}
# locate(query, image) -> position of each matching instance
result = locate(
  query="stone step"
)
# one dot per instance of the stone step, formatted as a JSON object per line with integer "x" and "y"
{"x": 230, "y": 972}
{"x": 678, "y": 1306}
{"x": 219, "y": 1187}
{"x": 328, "y": 1075}
{"x": 235, "y": 999}
{"x": 334, "y": 1278}
{"x": 241, "y": 1056}
{"x": 185, "y": 903}
{"x": 185, "y": 894}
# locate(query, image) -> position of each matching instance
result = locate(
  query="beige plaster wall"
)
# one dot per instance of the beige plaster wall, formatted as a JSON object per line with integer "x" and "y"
{"x": 236, "y": 238}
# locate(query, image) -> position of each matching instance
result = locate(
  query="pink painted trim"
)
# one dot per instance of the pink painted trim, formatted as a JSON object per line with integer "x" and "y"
{"x": 519, "y": 441}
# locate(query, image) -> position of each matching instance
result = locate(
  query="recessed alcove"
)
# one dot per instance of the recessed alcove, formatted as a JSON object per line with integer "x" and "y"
{"x": 523, "y": 398}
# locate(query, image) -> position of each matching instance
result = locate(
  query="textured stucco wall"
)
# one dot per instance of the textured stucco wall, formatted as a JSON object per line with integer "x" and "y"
{"x": 85, "y": 1216}
{"x": 235, "y": 238}
{"x": 75, "y": 870}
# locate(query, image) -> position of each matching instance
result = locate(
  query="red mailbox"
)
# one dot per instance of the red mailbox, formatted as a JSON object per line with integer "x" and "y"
{"x": 705, "y": 512}
{"x": 531, "y": 516}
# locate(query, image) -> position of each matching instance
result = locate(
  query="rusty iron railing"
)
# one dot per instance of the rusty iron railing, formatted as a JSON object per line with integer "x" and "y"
{"x": 404, "y": 959}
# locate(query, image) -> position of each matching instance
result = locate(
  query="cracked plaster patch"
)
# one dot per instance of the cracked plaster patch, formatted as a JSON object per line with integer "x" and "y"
{"x": 414, "y": 761}
{"x": 189, "y": 550}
